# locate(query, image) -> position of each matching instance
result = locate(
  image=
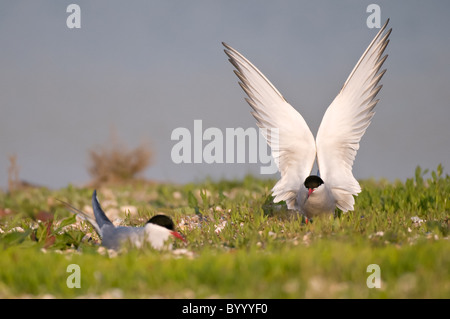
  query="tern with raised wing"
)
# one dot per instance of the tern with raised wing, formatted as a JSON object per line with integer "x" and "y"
{"x": 337, "y": 141}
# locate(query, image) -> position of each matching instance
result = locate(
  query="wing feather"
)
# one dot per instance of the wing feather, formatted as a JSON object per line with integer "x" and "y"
{"x": 285, "y": 130}
{"x": 346, "y": 121}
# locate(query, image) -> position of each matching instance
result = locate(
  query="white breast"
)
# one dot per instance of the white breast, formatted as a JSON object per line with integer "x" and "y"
{"x": 321, "y": 201}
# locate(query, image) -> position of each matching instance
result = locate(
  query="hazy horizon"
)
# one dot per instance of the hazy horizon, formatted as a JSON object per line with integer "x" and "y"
{"x": 145, "y": 68}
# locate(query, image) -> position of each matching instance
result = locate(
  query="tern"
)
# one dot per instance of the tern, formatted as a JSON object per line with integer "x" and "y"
{"x": 337, "y": 141}
{"x": 155, "y": 232}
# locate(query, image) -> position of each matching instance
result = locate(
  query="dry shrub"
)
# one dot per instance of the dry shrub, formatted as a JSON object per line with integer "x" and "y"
{"x": 118, "y": 164}
{"x": 13, "y": 174}
{"x": 14, "y": 182}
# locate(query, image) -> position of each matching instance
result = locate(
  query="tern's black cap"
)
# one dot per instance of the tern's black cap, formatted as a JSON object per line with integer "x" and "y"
{"x": 313, "y": 181}
{"x": 163, "y": 221}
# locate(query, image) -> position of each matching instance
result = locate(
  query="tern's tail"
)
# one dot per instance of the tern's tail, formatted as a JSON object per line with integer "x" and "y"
{"x": 83, "y": 215}
{"x": 100, "y": 216}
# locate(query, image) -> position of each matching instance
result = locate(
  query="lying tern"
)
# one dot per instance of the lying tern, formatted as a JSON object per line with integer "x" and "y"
{"x": 155, "y": 232}
{"x": 293, "y": 146}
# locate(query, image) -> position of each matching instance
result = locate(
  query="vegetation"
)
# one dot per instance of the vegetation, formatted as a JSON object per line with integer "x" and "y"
{"x": 239, "y": 244}
{"x": 118, "y": 164}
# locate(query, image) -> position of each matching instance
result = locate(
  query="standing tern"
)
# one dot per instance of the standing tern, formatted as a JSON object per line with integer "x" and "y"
{"x": 156, "y": 231}
{"x": 293, "y": 146}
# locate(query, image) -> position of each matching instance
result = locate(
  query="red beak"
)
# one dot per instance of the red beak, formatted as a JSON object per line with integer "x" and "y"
{"x": 310, "y": 191}
{"x": 178, "y": 235}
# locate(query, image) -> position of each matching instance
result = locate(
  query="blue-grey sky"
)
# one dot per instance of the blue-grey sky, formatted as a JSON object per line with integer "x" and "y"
{"x": 145, "y": 68}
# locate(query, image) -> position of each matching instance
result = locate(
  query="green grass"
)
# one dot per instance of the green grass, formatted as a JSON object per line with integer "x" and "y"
{"x": 262, "y": 250}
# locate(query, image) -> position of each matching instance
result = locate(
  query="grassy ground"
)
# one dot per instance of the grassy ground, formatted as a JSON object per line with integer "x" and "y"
{"x": 239, "y": 244}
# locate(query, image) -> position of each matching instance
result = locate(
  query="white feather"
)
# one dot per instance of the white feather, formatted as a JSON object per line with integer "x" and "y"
{"x": 288, "y": 135}
{"x": 346, "y": 121}
{"x": 292, "y": 143}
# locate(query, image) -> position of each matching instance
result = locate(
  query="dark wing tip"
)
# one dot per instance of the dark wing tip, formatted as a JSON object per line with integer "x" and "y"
{"x": 99, "y": 214}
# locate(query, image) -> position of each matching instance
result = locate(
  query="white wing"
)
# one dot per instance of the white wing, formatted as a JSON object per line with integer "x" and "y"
{"x": 346, "y": 121}
{"x": 285, "y": 130}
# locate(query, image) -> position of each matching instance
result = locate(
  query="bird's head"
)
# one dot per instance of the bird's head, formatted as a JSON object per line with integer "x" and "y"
{"x": 165, "y": 222}
{"x": 312, "y": 183}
